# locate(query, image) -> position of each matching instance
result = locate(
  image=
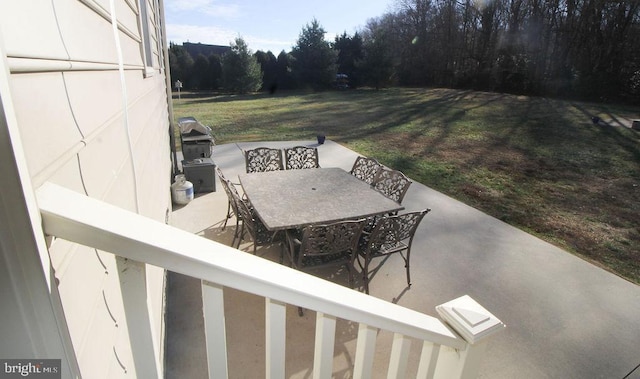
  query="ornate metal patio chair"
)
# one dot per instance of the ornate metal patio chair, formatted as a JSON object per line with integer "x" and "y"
{"x": 263, "y": 159}
{"x": 390, "y": 235}
{"x": 324, "y": 245}
{"x": 301, "y": 157}
{"x": 259, "y": 233}
{"x": 233, "y": 198}
{"x": 232, "y": 207}
{"x": 365, "y": 169}
{"x": 391, "y": 183}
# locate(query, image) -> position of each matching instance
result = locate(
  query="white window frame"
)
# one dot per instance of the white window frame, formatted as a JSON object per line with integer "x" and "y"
{"x": 145, "y": 36}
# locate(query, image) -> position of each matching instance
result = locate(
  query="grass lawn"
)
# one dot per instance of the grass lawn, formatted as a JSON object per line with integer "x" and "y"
{"x": 539, "y": 164}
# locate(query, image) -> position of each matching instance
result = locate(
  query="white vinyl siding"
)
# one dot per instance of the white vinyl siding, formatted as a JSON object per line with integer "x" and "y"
{"x": 127, "y": 13}
{"x": 41, "y": 104}
{"x": 30, "y": 29}
{"x": 105, "y": 90}
{"x": 92, "y": 120}
{"x": 87, "y": 35}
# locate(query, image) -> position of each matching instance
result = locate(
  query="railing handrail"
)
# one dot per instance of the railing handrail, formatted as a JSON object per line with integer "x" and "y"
{"x": 77, "y": 218}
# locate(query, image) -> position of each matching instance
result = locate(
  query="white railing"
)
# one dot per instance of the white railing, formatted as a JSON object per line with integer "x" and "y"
{"x": 77, "y": 218}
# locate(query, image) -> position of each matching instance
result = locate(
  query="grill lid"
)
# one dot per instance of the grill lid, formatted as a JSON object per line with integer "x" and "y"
{"x": 192, "y": 130}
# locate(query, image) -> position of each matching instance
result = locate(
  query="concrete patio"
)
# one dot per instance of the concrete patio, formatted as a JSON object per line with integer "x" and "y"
{"x": 565, "y": 317}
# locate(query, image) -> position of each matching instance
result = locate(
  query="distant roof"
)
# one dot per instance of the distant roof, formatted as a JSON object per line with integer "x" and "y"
{"x": 195, "y": 49}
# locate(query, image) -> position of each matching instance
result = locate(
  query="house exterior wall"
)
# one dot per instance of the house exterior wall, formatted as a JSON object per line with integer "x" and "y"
{"x": 92, "y": 113}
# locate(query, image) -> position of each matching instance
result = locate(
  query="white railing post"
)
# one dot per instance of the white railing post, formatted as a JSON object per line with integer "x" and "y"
{"x": 133, "y": 286}
{"x": 474, "y": 324}
{"x": 324, "y": 343}
{"x": 365, "y": 350}
{"x": 215, "y": 329}
{"x": 275, "y": 320}
{"x": 399, "y": 356}
{"x": 428, "y": 360}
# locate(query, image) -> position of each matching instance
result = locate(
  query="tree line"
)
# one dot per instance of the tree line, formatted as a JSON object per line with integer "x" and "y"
{"x": 312, "y": 63}
{"x": 587, "y": 49}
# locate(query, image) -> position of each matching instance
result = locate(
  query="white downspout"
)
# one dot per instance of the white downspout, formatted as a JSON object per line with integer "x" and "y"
{"x": 125, "y": 104}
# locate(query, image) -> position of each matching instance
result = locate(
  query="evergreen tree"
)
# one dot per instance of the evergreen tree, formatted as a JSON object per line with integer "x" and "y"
{"x": 285, "y": 79}
{"x": 180, "y": 64}
{"x": 215, "y": 70}
{"x": 349, "y": 53}
{"x": 314, "y": 62}
{"x": 269, "y": 64}
{"x": 200, "y": 78}
{"x": 241, "y": 71}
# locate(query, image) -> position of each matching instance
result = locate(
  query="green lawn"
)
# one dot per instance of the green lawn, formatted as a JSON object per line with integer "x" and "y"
{"x": 539, "y": 164}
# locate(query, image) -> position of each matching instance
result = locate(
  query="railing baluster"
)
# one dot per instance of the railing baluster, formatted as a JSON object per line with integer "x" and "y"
{"x": 428, "y": 360}
{"x": 325, "y": 337}
{"x": 215, "y": 331}
{"x": 133, "y": 283}
{"x": 365, "y": 349}
{"x": 276, "y": 316}
{"x": 399, "y": 356}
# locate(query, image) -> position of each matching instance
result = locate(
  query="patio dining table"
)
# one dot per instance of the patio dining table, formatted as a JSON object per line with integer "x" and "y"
{"x": 289, "y": 199}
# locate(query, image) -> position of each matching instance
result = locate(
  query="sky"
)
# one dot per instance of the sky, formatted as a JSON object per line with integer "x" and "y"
{"x": 268, "y": 25}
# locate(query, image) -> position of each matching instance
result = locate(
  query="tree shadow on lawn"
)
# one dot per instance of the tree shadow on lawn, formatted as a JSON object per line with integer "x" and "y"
{"x": 408, "y": 112}
{"x": 558, "y": 168}
{"x": 222, "y": 97}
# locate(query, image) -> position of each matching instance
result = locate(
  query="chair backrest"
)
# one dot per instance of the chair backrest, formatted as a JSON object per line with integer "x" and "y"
{"x": 391, "y": 183}
{"x": 301, "y": 157}
{"x": 253, "y": 224}
{"x": 230, "y": 190}
{"x": 322, "y": 241}
{"x": 263, "y": 159}
{"x": 365, "y": 169}
{"x": 220, "y": 174}
{"x": 247, "y": 216}
{"x": 395, "y": 232}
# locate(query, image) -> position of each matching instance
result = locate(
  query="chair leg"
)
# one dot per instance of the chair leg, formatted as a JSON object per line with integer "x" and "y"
{"x": 240, "y": 236}
{"x": 289, "y": 245}
{"x": 365, "y": 275}
{"x": 407, "y": 266}
{"x": 228, "y": 215}
{"x": 283, "y": 247}
{"x": 350, "y": 270}
{"x": 235, "y": 233}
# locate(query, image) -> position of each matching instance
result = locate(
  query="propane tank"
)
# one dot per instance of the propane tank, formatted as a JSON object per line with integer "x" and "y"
{"x": 181, "y": 190}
